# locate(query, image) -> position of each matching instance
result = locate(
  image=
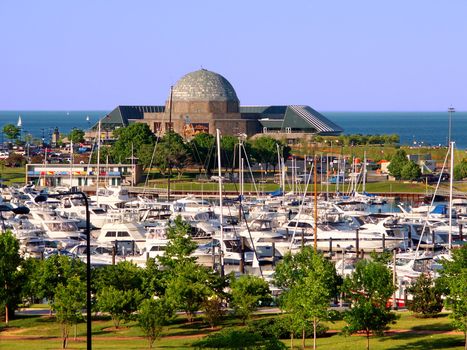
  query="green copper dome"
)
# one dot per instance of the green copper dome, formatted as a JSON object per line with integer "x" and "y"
{"x": 203, "y": 85}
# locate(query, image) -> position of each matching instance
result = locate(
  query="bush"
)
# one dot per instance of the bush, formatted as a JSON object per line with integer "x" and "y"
{"x": 238, "y": 339}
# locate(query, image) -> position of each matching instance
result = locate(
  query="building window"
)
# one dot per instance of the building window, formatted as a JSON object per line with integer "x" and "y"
{"x": 169, "y": 126}
{"x": 157, "y": 126}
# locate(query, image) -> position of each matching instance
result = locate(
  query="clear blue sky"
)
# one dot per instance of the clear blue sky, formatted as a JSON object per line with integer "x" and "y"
{"x": 388, "y": 55}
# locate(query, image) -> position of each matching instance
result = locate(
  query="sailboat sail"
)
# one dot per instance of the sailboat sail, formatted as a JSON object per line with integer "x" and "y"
{"x": 19, "y": 124}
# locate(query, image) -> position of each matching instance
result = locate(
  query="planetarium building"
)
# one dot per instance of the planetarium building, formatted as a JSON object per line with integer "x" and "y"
{"x": 203, "y": 101}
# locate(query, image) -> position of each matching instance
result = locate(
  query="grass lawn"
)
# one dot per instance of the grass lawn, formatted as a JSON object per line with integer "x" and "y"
{"x": 11, "y": 176}
{"x": 408, "y": 333}
{"x": 375, "y": 187}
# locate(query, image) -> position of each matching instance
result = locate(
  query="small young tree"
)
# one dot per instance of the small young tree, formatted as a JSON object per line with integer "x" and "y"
{"x": 426, "y": 297}
{"x": 68, "y": 304}
{"x": 398, "y": 160}
{"x": 247, "y": 291}
{"x": 410, "y": 171}
{"x": 454, "y": 277}
{"x": 153, "y": 315}
{"x": 310, "y": 281}
{"x": 119, "y": 304}
{"x": 187, "y": 289}
{"x": 369, "y": 289}
{"x": 213, "y": 310}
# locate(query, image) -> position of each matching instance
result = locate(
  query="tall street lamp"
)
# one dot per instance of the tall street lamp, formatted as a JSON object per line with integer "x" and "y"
{"x": 451, "y": 110}
{"x": 43, "y": 198}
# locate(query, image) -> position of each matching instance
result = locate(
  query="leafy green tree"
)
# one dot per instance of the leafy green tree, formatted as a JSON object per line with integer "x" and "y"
{"x": 187, "y": 289}
{"x": 120, "y": 304}
{"x": 460, "y": 170}
{"x": 454, "y": 278}
{"x": 56, "y": 270}
{"x": 247, "y": 292}
{"x": 146, "y": 155}
{"x": 68, "y": 304}
{"x": 398, "y": 160}
{"x": 172, "y": 153}
{"x": 76, "y": 136}
{"x": 410, "y": 171}
{"x": 369, "y": 289}
{"x": 130, "y": 139}
{"x": 203, "y": 151}
{"x": 11, "y": 131}
{"x": 309, "y": 282}
{"x": 153, "y": 279}
{"x": 123, "y": 276}
{"x": 153, "y": 315}
{"x": 265, "y": 150}
{"x": 213, "y": 310}
{"x": 180, "y": 245}
{"x": 9, "y": 263}
{"x": 426, "y": 297}
{"x": 228, "y": 146}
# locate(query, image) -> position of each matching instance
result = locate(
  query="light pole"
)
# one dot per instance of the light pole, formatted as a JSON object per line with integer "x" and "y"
{"x": 43, "y": 198}
{"x": 451, "y": 110}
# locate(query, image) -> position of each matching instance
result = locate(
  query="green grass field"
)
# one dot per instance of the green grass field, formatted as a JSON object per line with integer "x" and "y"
{"x": 408, "y": 333}
{"x": 12, "y": 176}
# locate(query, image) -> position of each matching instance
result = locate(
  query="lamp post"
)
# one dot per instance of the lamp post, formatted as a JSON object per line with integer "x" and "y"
{"x": 451, "y": 110}
{"x": 43, "y": 198}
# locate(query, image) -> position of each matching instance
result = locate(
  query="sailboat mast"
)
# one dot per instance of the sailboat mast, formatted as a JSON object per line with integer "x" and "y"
{"x": 98, "y": 160}
{"x": 221, "y": 216}
{"x": 170, "y": 136}
{"x": 451, "y": 175}
{"x": 364, "y": 172}
{"x": 315, "y": 180}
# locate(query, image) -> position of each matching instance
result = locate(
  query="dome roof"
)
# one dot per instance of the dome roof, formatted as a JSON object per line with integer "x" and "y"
{"x": 203, "y": 85}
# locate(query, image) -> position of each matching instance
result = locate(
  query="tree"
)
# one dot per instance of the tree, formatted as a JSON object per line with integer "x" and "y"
{"x": 68, "y": 304}
{"x": 213, "y": 310}
{"x": 9, "y": 263}
{"x": 187, "y": 289}
{"x": 309, "y": 282}
{"x": 56, "y": 270}
{"x": 203, "y": 151}
{"x": 265, "y": 150}
{"x": 11, "y": 131}
{"x": 123, "y": 276}
{"x": 119, "y": 304}
{"x": 76, "y": 136}
{"x": 153, "y": 315}
{"x": 247, "y": 292}
{"x": 398, "y": 160}
{"x": 180, "y": 245}
{"x": 410, "y": 171}
{"x": 460, "y": 170}
{"x": 426, "y": 297}
{"x": 454, "y": 278}
{"x": 172, "y": 153}
{"x": 369, "y": 289}
{"x": 129, "y": 141}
